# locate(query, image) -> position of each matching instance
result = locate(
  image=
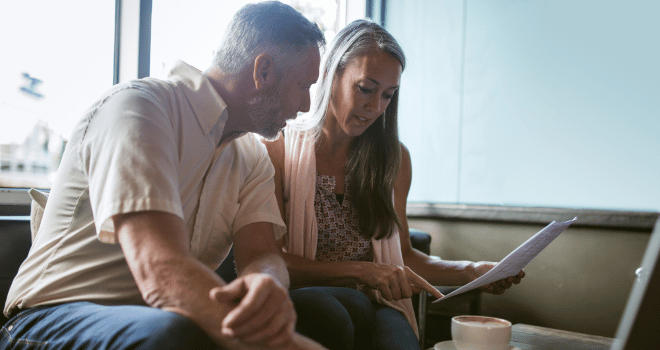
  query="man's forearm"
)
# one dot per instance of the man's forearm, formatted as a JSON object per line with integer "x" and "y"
{"x": 156, "y": 249}
{"x": 271, "y": 264}
{"x": 256, "y": 251}
{"x": 179, "y": 284}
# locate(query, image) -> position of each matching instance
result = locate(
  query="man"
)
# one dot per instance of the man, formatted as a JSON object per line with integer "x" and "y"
{"x": 157, "y": 181}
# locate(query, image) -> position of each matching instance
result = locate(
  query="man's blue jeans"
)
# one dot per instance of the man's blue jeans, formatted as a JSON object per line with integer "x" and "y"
{"x": 84, "y": 325}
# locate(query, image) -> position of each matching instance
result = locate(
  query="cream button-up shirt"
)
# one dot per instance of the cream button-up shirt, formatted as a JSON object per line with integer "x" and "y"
{"x": 146, "y": 145}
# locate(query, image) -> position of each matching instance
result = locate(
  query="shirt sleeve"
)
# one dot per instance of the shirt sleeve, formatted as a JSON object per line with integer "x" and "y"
{"x": 257, "y": 201}
{"x": 129, "y": 153}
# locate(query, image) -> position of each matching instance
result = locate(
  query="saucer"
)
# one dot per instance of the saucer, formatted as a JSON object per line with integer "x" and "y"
{"x": 449, "y": 345}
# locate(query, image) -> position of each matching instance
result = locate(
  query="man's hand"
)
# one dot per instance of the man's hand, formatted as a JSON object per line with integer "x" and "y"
{"x": 497, "y": 287}
{"x": 264, "y": 314}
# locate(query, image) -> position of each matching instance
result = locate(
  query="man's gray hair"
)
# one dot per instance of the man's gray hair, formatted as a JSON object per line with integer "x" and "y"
{"x": 267, "y": 27}
{"x": 358, "y": 38}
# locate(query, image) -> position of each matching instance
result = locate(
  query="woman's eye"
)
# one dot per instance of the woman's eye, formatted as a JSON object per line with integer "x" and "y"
{"x": 388, "y": 96}
{"x": 364, "y": 90}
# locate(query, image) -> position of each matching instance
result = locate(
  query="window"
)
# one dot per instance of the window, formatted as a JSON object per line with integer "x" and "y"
{"x": 531, "y": 103}
{"x": 57, "y": 59}
{"x": 192, "y": 30}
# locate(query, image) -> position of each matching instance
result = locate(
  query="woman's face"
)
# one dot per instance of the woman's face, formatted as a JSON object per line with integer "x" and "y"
{"x": 362, "y": 92}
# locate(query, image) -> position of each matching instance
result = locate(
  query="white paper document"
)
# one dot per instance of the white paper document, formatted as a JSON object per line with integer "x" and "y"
{"x": 518, "y": 258}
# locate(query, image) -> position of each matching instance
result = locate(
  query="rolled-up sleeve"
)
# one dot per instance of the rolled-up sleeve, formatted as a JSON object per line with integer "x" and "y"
{"x": 129, "y": 153}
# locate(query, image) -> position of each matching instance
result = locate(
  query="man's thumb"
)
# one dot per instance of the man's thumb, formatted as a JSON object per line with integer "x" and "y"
{"x": 232, "y": 291}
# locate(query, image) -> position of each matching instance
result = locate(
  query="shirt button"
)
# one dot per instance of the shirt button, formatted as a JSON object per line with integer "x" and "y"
{"x": 10, "y": 327}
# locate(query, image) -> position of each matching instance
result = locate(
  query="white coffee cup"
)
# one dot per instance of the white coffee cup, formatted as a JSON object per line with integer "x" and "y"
{"x": 480, "y": 333}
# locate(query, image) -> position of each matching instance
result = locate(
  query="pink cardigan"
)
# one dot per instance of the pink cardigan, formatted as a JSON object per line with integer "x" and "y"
{"x": 301, "y": 239}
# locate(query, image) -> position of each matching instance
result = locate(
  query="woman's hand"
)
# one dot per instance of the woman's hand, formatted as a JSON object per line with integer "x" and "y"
{"x": 393, "y": 282}
{"x": 497, "y": 287}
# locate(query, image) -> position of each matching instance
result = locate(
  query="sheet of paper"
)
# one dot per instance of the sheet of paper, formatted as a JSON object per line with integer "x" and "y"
{"x": 518, "y": 258}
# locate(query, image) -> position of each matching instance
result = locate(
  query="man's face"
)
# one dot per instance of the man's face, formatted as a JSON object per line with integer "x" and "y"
{"x": 283, "y": 101}
{"x": 265, "y": 112}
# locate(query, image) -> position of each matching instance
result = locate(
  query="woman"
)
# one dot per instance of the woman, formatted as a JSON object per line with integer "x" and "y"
{"x": 342, "y": 180}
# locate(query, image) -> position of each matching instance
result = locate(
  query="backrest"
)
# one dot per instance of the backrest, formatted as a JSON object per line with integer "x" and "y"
{"x": 16, "y": 235}
{"x": 16, "y": 241}
{"x": 420, "y": 240}
{"x": 227, "y": 270}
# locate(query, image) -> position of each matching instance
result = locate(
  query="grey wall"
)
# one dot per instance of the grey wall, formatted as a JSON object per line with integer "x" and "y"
{"x": 579, "y": 283}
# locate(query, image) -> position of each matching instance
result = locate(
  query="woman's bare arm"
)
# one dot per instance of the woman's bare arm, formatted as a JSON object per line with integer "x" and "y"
{"x": 438, "y": 272}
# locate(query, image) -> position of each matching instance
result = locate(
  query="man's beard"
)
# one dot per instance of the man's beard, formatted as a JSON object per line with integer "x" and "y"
{"x": 265, "y": 111}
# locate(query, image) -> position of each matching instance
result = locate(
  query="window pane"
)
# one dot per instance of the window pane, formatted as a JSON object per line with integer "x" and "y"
{"x": 507, "y": 108}
{"x": 192, "y": 30}
{"x": 57, "y": 59}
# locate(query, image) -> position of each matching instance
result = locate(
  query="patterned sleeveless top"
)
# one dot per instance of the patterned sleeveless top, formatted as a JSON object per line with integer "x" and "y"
{"x": 338, "y": 234}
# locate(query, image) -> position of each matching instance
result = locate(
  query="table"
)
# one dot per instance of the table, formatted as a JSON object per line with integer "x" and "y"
{"x": 528, "y": 337}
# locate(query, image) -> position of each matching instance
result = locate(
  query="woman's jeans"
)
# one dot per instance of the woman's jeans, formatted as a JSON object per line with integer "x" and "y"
{"x": 84, "y": 325}
{"x": 345, "y": 318}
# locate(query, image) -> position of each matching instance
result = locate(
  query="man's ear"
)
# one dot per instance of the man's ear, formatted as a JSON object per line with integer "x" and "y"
{"x": 264, "y": 71}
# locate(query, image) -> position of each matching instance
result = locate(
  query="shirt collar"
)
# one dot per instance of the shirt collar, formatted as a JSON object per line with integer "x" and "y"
{"x": 209, "y": 107}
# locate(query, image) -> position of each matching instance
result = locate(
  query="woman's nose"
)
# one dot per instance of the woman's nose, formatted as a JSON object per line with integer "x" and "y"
{"x": 374, "y": 105}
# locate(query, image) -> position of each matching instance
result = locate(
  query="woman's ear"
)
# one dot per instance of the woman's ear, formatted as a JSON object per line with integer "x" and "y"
{"x": 264, "y": 71}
